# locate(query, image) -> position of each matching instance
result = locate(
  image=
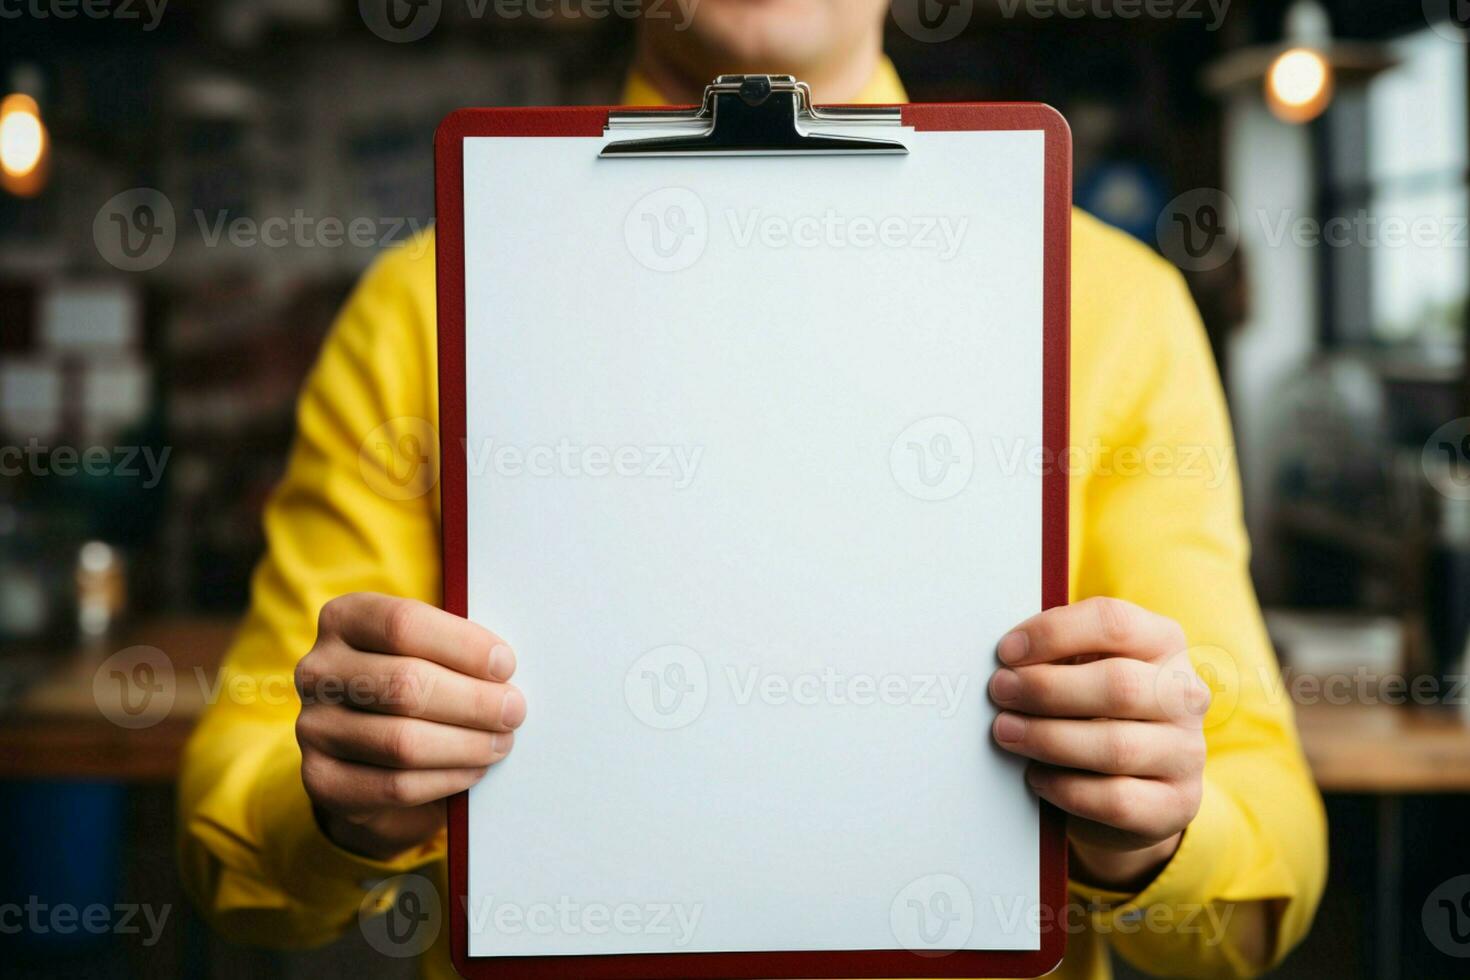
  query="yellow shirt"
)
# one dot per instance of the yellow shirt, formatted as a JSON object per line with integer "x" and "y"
{"x": 1155, "y": 517}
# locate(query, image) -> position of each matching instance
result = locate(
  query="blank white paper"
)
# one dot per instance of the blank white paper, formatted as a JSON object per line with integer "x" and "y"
{"x": 755, "y": 487}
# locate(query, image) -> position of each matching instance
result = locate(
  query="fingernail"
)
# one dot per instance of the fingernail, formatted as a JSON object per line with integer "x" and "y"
{"x": 1010, "y": 728}
{"x": 513, "y": 709}
{"x": 500, "y": 742}
{"x": 502, "y": 661}
{"x": 1005, "y": 685}
{"x": 1012, "y": 647}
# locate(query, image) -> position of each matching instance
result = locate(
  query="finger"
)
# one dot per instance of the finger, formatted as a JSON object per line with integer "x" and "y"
{"x": 1120, "y": 748}
{"x": 398, "y": 743}
{"x": 409, "y": 687}
{"x": 1147, "y": 808}
{"x": 1118, "y": 687}
{"x": 1092, "y": 626}
{"x": 350, "y": 787}
{"x": 408, "y": 628}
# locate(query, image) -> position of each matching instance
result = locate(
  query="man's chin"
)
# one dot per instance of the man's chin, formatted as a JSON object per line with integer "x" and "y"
{"x": 763, "y": 35}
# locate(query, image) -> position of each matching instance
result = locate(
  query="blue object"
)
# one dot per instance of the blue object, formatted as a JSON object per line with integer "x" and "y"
{"x": 1126, "y": 194}
{"x": 60, "y": 846}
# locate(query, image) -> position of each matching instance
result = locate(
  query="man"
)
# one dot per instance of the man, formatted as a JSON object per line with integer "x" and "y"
{"x": 1207, "y": 823}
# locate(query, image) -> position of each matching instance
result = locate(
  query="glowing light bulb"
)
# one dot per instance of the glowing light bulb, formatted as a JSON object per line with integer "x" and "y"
{"x": 23, "y": 145}
{"x": 1299, "y": 85}
{"x": 22, "y": 136}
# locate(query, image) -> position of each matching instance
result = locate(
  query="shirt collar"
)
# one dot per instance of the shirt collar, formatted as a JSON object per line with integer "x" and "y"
{"x": 883, "y": 88}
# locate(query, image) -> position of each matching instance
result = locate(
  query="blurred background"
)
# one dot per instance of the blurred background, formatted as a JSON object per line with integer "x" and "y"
{"x": 188, "y": 190}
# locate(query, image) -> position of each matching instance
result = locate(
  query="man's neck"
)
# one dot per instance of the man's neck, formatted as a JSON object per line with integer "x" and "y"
{"x": 682, "y": 84}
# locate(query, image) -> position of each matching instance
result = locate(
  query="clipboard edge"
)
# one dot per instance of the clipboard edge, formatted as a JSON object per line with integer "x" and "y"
{"x": 591, "y": 121}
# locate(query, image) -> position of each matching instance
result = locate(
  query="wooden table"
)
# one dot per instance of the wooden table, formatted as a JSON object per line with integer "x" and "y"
{"x": 1384, "y": 749}
{"x": 1388, "y": 752}
{"x": 60, "y": 728}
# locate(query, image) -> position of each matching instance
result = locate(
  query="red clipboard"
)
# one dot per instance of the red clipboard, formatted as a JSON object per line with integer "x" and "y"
{"x": 591, "y": 123}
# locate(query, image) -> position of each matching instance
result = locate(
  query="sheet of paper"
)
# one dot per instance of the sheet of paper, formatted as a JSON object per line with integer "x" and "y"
{"x": 754, "y": 452}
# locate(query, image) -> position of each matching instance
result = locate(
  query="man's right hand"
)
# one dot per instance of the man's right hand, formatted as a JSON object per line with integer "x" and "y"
{"x": 402, "y": 705}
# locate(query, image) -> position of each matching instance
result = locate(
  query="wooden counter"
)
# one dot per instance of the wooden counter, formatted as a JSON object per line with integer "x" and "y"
{"x": 58, "y": 730}
{"x": 1386, "y": 749}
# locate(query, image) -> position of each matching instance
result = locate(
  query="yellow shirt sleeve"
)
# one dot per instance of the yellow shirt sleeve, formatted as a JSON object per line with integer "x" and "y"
{"x": 340, "y": 521}
{"x": 1156, "y": 519}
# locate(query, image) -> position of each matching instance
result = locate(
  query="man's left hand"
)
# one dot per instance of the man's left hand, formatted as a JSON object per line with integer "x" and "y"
{"x": 1103, "y": 697}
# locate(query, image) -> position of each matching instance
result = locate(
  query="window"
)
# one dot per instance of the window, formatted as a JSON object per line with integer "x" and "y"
{"x": 1396, "y": 170}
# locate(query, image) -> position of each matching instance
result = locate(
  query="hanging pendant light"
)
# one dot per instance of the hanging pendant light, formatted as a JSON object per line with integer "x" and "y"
{"x": 25, "y": 145}
{"x": 1299, "y": 76}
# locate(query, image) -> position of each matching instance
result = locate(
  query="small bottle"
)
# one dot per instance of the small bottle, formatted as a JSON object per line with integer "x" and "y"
{"x": 101, "y": 589}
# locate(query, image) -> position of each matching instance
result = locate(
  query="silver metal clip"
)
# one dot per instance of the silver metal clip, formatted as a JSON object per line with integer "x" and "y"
{"x": 753, "y": 115}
